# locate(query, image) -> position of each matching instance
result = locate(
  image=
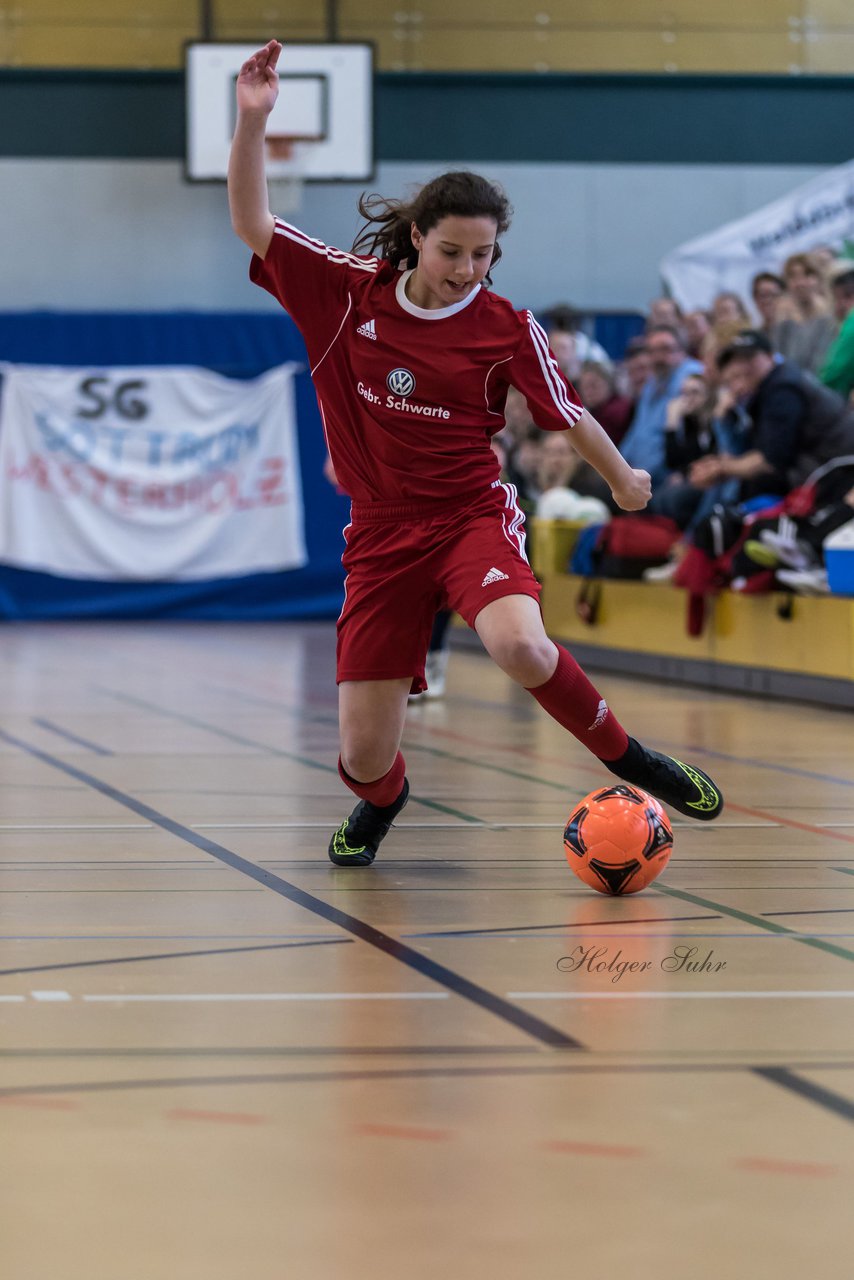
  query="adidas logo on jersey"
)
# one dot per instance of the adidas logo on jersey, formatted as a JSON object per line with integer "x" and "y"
{"x": 601, "y": 714}
{"x": 368, "y": 329}
{"x": 494, "y": 575}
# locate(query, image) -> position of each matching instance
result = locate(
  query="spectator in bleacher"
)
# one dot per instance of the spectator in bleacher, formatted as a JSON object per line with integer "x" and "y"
{"x": 564, "y": 346}
{"x": 688, "y": 429}
{"x": 643, "y": 444}
{"x": 563, "y": 318}
{"x": 713, "y": 345}
{"x": 805, "y": 338}
{"x": 664, "y": 311}
{"x": 697, "y": 325}
{"x": 499, "y": 448}
{"x": 770, "y": 300}
{"x": 518, "y": 423}
{"x": 837, "y": 372}
{"x": 826, "y": 257}
{"x": 557, "y": 480}
{"x": 522, "y": 467}
{"x": 634, "y": 372}
{"x": 597, "y": 387}
{"x": 797, "y": 424}
{"x": 519, "y": 441}
{"x": 690, "y": 433}
{"x": 728, "y": 308}
{"x": 557, "y": 462}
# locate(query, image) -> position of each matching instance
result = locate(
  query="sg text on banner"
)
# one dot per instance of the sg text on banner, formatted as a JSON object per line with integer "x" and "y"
{"x": 149, "y": 473}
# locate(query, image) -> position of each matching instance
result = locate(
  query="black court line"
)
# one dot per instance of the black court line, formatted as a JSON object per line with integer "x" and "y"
{"x": 806, "y": 1089}
{"x": 416, "y": 1073}
{"x": 173, "y": 955}
{"x": 752, "y": 762}
{"x": 72, "y": 737}
{"x": 819, "y": 911}
{"x": 527, "y": 711}
{"x": 268, "y": 749}
{"x": 485, "y": 1000}
{"x": 565, "y": 925}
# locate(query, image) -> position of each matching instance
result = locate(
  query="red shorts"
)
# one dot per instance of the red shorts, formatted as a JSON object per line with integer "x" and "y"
{"x": 406, "y": 561}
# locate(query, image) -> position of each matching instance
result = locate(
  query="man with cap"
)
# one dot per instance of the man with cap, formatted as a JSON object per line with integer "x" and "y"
{"x": 798, "y": 424}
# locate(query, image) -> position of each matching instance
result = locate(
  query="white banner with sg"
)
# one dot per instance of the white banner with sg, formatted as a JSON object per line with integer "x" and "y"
{"x": 149, "y": 473}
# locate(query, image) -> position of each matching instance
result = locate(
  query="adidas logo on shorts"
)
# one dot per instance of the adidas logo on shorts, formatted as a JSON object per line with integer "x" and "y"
{"x": 368, "y": 330}
{"x": 495, "y": 575}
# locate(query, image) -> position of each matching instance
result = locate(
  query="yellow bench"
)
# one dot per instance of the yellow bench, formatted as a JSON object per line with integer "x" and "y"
{"x": 800, "y": 646}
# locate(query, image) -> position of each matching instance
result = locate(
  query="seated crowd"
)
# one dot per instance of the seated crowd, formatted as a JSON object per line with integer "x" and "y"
{"x": 727, "y": 408}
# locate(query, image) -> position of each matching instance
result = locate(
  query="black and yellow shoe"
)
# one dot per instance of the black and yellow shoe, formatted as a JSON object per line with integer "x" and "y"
{"x": 356, "y": 841}
{"x": 683, "y": 786}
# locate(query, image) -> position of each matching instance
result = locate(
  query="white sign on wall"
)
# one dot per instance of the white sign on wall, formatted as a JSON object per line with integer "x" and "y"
{"x": 819, "y": 212}
{"x": 149, "y": 474}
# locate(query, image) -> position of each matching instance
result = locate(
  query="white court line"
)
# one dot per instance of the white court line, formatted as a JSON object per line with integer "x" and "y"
{"x": 12, "y": 999}
{"x": 322, "y": 826}
{"x": 445, "y": 826}
{"x": 79, "y": 826}
{"x": 271, "y": 995}
{"x": 680, "y": 995}
{"x": 725, "y": 826}
{"x": 50, "y": 995}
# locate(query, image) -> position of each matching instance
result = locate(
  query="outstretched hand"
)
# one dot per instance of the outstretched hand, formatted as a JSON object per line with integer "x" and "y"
{"x": 258, "y": 81}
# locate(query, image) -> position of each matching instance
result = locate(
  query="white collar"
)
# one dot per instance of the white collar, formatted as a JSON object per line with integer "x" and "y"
{"x": 430, "y": 313}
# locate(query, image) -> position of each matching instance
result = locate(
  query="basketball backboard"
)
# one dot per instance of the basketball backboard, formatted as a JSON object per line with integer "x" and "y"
{"x": 321, "y": 129}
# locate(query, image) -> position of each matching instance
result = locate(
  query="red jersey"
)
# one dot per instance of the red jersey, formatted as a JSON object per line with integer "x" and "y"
{"x": 409, "y": 397}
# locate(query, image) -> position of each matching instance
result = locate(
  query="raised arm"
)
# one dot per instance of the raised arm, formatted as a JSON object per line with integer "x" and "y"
{"x": 257, "y": 90}
{"x": 630, "y": 487}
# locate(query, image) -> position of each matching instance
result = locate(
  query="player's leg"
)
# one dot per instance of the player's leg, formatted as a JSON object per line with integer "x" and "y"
{"x": 383, "y": 633}
{"x": 371, "y": 715}
{"x": 512, "y": 631}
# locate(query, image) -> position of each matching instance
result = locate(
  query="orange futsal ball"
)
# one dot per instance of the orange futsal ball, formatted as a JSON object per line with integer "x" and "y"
{"x": 618, "y": 839}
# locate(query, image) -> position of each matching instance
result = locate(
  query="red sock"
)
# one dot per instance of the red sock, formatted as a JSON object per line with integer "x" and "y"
{"x": 571, "y": 699}
{"x": 383, "y": 791}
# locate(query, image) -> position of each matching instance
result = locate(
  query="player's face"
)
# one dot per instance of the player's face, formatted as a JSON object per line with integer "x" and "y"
{"x": 454, "y": 256}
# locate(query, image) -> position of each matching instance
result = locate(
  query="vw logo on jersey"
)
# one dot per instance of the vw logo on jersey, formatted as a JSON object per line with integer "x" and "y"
{"x": 400, "y": 382}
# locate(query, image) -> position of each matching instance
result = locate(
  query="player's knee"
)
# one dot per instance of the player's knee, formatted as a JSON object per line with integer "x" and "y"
{"x": 366, "y": 760}
{"x": 527, "y": 659}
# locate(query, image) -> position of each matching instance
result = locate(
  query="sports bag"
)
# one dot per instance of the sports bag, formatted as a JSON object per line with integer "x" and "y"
{"x": 631, "y": 544}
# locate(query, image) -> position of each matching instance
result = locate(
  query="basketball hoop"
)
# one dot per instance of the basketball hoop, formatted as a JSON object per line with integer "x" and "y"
{"x": 286, "y": 194}
{"x": 286, "y": 185}
{"x": 320, "y": 129}
{"x": 280, "y": 146}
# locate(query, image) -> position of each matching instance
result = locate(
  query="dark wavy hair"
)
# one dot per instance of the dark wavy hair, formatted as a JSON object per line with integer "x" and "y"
{"x": 461, "y": 194}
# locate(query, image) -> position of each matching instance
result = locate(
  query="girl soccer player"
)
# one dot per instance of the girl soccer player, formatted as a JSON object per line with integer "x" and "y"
{"x": 411, "y": 358}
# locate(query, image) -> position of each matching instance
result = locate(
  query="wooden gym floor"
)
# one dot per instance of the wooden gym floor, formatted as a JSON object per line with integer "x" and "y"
{"x": 383, "y": 1072}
